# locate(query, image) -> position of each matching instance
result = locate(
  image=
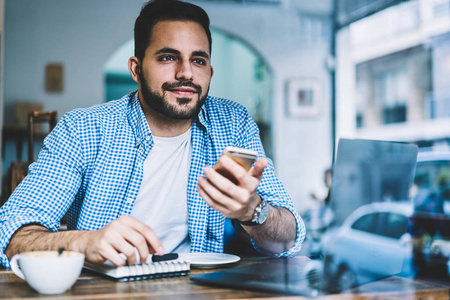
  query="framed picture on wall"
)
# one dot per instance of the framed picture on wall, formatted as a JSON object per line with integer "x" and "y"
{"x": 54, "y": 77}
{"x": 304, "y": 97}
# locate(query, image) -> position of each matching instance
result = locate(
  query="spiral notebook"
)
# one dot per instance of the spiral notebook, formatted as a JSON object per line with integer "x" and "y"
{"x": 147, "y": 270}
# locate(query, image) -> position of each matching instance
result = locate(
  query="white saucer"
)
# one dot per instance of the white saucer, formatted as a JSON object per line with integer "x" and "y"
{"x": 208, "y": 260}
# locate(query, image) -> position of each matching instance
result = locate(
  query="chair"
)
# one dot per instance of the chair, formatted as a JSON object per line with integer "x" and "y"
{"x": 38, "y": 117}
{"x": 16, "y": 124}
{"x": 19, "y": 169}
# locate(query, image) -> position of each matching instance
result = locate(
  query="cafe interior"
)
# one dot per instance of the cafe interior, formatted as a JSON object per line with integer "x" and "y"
{"x": 313, "y": 75}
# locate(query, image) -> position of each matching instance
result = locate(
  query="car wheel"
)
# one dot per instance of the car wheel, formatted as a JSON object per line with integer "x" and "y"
{"x": 346, "y": 279}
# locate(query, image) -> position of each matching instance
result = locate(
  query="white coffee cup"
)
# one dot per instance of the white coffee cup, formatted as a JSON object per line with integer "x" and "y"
{"x": 48, "y": 272}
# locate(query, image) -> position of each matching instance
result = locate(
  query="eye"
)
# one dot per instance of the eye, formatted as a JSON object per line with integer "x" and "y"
{"x": 199, "y": 61}
{"x": 166, "y": 58}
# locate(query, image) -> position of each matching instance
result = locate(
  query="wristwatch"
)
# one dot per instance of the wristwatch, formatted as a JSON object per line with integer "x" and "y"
{"x": 259, "y": 216}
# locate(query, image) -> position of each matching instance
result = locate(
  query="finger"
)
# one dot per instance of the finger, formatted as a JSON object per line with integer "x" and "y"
{"x": 246, "y": 179}
{"x": 139, "y": 235}
{"x": 210, "y": 201}
{"x": 235, "y": 169}
{"x": 251, "y": 182}
{"x": 123, "y": 246}
{"x": 111, "y": 254}
{"x": 205, "y": 196}
{"x": 151, "y": 240}
{"x": 240, "y": 193}
{"x": 258, "y": 168}
{"x": 140, "y": 245}
{"x": 100, "y": 250}
{"x": 218, "y": 180}
{"x": 230, "y": 208}
{"x": 127, "y": 240}
{"x": 227, "y": 193}
{"x": 216, "y": 196}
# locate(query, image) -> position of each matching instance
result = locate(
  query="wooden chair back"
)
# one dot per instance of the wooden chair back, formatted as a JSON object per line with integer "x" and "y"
{"x": 38, "y": 117}
{"x": 19, "y": 169}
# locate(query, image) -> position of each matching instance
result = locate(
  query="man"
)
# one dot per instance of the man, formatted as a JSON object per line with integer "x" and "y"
{"x": 135, "y": 173}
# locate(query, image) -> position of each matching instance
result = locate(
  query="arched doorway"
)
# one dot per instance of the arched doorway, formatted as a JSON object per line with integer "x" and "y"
{"x": 240, "y": 74}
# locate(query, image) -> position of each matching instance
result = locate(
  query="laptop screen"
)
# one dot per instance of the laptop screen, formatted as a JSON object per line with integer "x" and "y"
{"x": 370, "y": 200}
{"x": 368, "y": 171}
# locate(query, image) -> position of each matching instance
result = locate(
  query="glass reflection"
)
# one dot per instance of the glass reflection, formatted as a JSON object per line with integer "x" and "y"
{"x": 370, "y": 192}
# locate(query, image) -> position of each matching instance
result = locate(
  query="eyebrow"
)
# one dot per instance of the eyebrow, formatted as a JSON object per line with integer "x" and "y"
{"x": 167, "y": 50}
{"x": 200, "y": 53}
{"x": 176, "y": 52}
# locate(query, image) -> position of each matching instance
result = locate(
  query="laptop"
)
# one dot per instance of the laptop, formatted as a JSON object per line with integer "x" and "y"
{"x": 365, "y": 171}
{"x": 368, "y": 171}
{"x": 290, "y": 276}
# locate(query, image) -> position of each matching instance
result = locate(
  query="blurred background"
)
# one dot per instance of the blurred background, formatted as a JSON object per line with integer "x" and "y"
{"x": 309, "y": 72}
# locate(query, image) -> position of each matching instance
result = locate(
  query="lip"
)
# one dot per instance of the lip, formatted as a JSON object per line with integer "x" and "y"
{"x": 185, "y": 91}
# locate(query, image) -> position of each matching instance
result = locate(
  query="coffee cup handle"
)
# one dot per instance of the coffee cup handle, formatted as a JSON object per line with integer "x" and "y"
{"x": 15, "y": 266}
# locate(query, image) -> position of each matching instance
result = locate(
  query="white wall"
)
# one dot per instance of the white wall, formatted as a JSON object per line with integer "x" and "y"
{"x": 83, "y": 34}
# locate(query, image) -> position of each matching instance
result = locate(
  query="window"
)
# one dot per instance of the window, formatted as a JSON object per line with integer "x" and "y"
{"x": 386, "y": 224}
{"x": 392, "y": 92}
{"x": 367, "y": 223}
{"x": 394, "y": 225}
{"x": 434, "y": 176}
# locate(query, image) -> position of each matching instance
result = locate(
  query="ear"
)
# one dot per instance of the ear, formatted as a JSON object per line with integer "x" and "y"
{"x": 212, "y": 72}
{"x": 134, "y": 68}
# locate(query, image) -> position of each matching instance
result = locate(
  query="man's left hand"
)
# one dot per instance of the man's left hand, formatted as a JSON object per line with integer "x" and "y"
{"x": 234, "y": 201}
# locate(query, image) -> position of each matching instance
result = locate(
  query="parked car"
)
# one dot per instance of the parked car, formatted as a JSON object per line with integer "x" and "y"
{"x": 373, "y": 242}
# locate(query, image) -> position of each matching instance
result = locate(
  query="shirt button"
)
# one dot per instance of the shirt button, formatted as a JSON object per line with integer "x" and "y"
{"x": 147, "y": 138}
{"x": 129, "y": 200}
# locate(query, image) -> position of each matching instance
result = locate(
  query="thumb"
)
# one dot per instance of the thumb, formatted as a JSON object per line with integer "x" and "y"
{"x": 259, "y": 167}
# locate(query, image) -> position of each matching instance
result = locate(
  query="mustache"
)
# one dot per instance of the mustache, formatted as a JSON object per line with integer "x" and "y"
{"x": 174, "y": 85}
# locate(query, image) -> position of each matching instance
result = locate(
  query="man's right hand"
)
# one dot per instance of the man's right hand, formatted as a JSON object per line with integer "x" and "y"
{"x": 122, "y": 235}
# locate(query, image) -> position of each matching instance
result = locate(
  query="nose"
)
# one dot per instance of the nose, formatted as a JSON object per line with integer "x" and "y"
{"x": 184, "y": 71}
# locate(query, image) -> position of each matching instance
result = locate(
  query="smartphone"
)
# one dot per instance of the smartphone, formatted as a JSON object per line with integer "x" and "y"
{"x": 244, "y": 157}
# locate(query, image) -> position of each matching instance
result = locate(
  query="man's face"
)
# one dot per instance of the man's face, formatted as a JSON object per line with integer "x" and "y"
{"x": 175, "y": 72}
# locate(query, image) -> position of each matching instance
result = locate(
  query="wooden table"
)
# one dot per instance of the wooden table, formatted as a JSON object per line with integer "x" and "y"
{"x": 92, "y": 287}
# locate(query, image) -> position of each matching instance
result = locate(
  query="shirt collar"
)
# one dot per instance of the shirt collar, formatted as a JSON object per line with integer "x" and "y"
{"x": 137, "y": 119}
{"x": 139, "y": 125}
{"x": 203, "y": 119}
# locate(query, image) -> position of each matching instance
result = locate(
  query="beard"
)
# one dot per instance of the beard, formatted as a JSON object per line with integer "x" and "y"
{"x": 182, "y": 111}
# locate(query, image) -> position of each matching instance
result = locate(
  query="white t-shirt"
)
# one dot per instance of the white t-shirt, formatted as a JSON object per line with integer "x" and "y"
{"x": 162, "y": 199}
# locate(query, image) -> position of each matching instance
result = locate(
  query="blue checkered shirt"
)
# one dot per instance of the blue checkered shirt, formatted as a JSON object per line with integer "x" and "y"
{"x": 91, "y": 165}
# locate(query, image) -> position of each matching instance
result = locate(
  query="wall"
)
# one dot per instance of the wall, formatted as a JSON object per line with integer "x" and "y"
{"x": 83, "y": 34}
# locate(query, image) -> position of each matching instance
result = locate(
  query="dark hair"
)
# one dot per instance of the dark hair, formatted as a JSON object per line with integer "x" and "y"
{"x": 155, "y": 11}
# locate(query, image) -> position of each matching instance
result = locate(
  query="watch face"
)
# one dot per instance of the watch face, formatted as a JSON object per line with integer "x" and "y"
{"x": 262, "y": 216}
